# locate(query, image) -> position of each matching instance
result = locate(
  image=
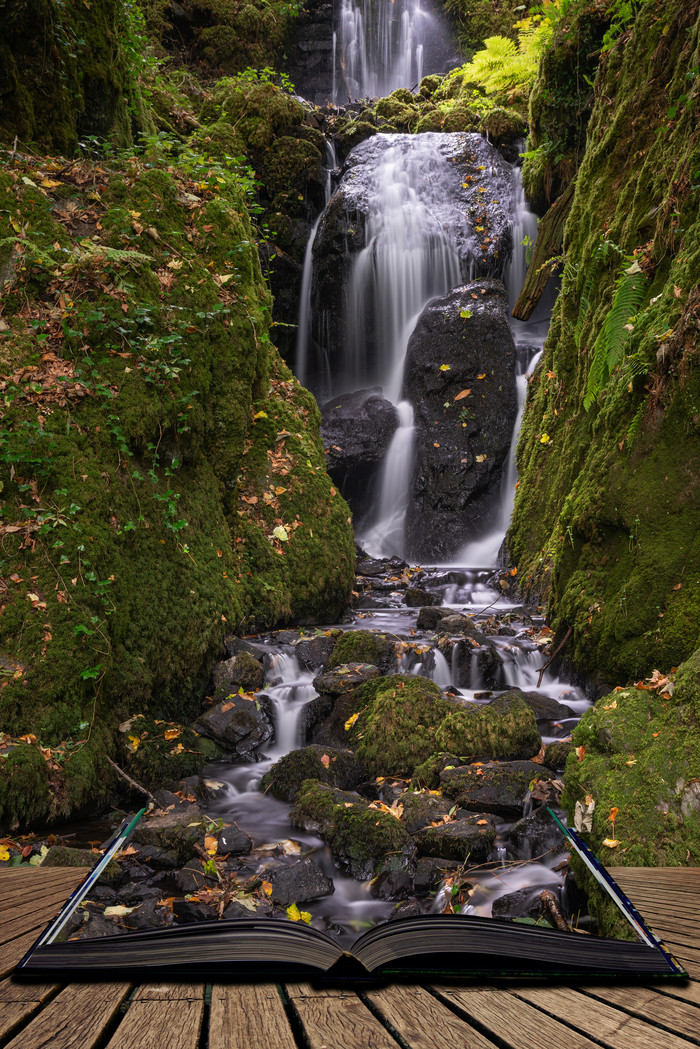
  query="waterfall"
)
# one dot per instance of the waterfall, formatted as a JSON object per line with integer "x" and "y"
{"x": 385, "y": 536}
{"x": 381, "y": 47}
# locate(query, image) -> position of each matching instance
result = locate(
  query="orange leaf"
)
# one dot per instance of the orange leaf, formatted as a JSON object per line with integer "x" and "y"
{"x": 171, "y": 733}
{"x": 613, "y": 813}
{"x": 462, "y": 394}
{"x": 581, "y": 752}
{"x": 325, "y": 760}
{"x": 266, "y": 887}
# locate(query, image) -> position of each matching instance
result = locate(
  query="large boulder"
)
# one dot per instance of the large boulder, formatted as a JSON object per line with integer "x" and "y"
{"x": 504, "y": 729}
{"x": 335, "y": 767}
{"x": 240, "y": 724}
{"x": 465, "y": 186}
{"x": 500, "y": 788}
{"x": 460, "y": 378}
{"x": 471, "y": 838}
{"x": 357, "y": 429}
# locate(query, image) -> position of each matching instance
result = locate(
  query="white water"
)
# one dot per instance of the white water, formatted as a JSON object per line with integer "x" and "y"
{"x": 380, "y": 46}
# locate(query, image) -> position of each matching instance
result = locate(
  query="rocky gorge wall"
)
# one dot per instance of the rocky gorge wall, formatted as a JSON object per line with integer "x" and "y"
{"x": 605, "y": 520}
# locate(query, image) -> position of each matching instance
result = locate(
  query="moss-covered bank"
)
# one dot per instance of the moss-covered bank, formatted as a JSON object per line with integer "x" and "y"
{"x": 162, "y": 474}
{"x": 605, "y": 520}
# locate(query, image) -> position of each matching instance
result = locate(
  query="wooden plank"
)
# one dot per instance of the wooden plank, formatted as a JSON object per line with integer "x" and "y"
{"x": 75, "y": 1019}
{"x": 169, "y": 1015}
{"x": 13, "y": 952}
{"x": 36, "y": 920}
{"x": 18, "y": 1003}
{"x": 687, "y": 992}
{"x": 647, "y": 1003}
{"x": 519, "y": 1025}
{"x": 54, "y": 900}
{"x": 340, "y": 1022}
{"x": 609, "y": 1026}
{"x": 658, "y": 875}
{"x": 248, "y": 1016}
{"x": 423, "y": 1021}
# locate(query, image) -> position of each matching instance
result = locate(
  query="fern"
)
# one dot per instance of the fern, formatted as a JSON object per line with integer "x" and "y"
{"x": 634, "y": 428}
{"x": 504, "y": 65}
{"x": 630, "y": 289}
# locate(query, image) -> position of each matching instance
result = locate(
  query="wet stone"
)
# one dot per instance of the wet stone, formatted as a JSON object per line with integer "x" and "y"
{"x": 543, "y": 707}
{"x": 501, "y": 788}
{"x": 415, "y": 597}
{"x": 345, "y": 678}
{"x": 192, "y": 877}
{"x": 238, "y": 724}
{"x": 470, "y": 839}
{"x": 420, "y": 810}
{"x": 535, "y": 834}
{"x": 241, "y": 671}
{"x": 523, "y": 903}
{"x": 234, "y": 841}
{"x": 431, "y": 871}
{"x": 313, "y": 652}
{"x": 187, "y": 911}
{"x": 147, "y": 915}
{"x": 335, "y": 767}
{"x": 298, "y": 883}
{"x": 391, "y": 885}
{"x": 175, "y": 832}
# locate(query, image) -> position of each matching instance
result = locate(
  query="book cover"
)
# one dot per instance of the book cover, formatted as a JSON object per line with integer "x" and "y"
{"x": 455, "y": 933}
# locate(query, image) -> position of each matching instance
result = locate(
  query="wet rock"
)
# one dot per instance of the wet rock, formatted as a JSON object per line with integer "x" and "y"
{"x": 345, "y": 678}
{"x": 331, "y": 732}
{"x": 235, "y": 646}
{"x": 146, "y": 916}
{"x": 238, "y": 724}
{"x": 313, "y": 652}
{"x": 363, "y": 646}
{"x": 476, "y": 667}
{"x": 414, "y": 597}
{"x": 234, "y": 841}
{"x": 299, "y": 882}
{"x": 420, "y": 810}
{"x": 499, "y": 788}
{"x": 97, "y": 926}
{"x": 428, "y": 618}
{"x": 431, "y": 871}
{"x": 391, "y": 885}
{"x": 133, "y": 893}
{"x": 471, "y": 838}
{"x": 364, "y": 841}
{"x": 544, "y": 707}
{"x": 535, "y": 834}
{"x": 368, "y": 566}
{"x": 504, "y": 729}
{"x": 406, "y": 909}
{"x": 193, "y": 877}
{"x": 175, "y": 832}
{"x": 159, "y": 859}
{"x": 556, "y": 754}
{"x": 241, "y": 671}
{"x": 338, "y": 768}
{"x": 357, "y": 429}
{"x": 261, "y": 909}
{"x": 315, "y": 712}
{"x": 187, "y": 911}
{"x": 462, "y": 341}
{"x": 523, "y": 903}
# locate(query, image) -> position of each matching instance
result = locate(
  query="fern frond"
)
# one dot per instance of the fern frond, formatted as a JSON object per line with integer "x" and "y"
{"x": 630, "y": 289}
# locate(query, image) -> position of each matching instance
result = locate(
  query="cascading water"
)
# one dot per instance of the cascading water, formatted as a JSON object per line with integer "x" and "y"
{"x": 381, "y": 47}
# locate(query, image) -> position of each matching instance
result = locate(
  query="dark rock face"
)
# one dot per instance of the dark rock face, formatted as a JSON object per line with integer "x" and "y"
{"x": 238, "y": 724}
{"x": 357, "y": 429}
{"x": 314, "y": 652}
{"x": 470, "y": 838}
{"x": 309, "y": 48}
{"x": 241, "y": 671}
{"x": 469, "y": 191}
{"x": 300, "y": 881}
{"x": 462, "y": 341}
{"x": 501, "y": 789}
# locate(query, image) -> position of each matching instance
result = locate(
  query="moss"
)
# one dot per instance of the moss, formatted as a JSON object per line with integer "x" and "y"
{"x": 504, "y": 732}
{"x": 638, "y": 753}
{"x": 503, "y": 126}
{"x": 603, "y": 525}
{"x": 325, "y": 765}
{"x": 154, "y": 751}
{"x": 365, "y": 841}
{"x": 24, "y": 787}
{"x": 427, "y": 774}
{"x": 362, "y": 646}
{"x": 397, "y": 730}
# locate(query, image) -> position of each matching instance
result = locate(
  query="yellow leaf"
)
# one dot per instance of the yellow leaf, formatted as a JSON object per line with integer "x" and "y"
{"x": 260, "y": 415}
{"x": 266, "y": 887}
{"x": 611, "y": 706}
{"x": 611, "y": 843}
{"x": 4, "y": 853}
{"x": 544, "y": 439}
{"x": 444, "y": 367}
{"x": 211, "y": 844}
{"x": 171, "y": 733}
{"x": 49, "y": 183}
{"x": 293, "y": 912}
{"x": 462, "y": 394}
{"x": 481, "y": 376}
{"x": 351, "y": 721}
{"x": 135, "y": 743}
{"x": 481, "y": 458}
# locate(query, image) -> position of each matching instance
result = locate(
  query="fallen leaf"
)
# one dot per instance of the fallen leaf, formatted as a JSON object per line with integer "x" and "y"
{"x": 266, "y": 887}
{"x": 462, "y": 394}
{"x": 325, "y": 760}
{"x": 444, "y": 367}
{"x": 613, "y": 814}
{"x": 481, "y": 458}
{"x": 171, "y": 733}
{"x": 117, "y": 911}
{"x": 545, "y": 438}
{"x": 211, "y": 844}
{"x": 281, "y": 533}
{"x": 611, "y": 843}
{"x": 581, "y": 752}
{"x": 351, "y": 721}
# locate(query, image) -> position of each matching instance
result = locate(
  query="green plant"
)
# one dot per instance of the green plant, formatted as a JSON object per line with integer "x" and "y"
{"x": 608, "y": 349}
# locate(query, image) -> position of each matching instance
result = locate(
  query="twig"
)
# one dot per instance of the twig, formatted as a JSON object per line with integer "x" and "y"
{"x": 550, "y": 905}
{"x": 133, "y": 782}
{"x": 554, "y": 653}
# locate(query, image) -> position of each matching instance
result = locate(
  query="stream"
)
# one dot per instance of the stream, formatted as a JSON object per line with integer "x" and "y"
{"x": 415, "y": 246}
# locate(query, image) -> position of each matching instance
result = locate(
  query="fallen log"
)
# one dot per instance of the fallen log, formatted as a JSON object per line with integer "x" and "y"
{"x": 546, "y": 255}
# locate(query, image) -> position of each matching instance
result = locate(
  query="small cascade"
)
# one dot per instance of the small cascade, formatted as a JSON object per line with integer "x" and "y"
{"x": 441, "y": 673}
{"x": 381, "y": 47}
{"x": 303, "y": 328}
{"x": 385, "y": 536}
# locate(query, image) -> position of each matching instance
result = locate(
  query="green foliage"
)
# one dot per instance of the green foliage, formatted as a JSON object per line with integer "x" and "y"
{"x": 622, "y": 14}
{"x": 629, "y": 293}
{"x": 504, "y": 65}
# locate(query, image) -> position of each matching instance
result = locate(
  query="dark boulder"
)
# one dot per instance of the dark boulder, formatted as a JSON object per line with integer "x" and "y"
{"x": 535, "y": 834}
{"x": 422, "y": 809}
{"x": 298, "y": 882}
{"x": 357, "y": 429}
{"x": 415, "y": 597}
{"x": 471, "y": 838}
{"x": 500, "y": 788}
{"x": 241, "y": 671}
{"x": 234, "y": 842}
{"x": 462, "y": 341}
{"x": 543, "y": 707}
{"x": 430, "y": 873}
{"x": 239, "y": 724}
{"x": 313, "y": 652}
{"x": 523, "y": 903}
{"x": 345, "y": 678}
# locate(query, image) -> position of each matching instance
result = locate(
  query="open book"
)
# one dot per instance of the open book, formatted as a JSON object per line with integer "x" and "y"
{"x": 445, "y": 945}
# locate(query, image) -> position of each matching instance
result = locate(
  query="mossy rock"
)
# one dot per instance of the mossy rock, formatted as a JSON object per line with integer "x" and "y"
{"x": 503, "y": 126}
{"x": 63, "y": 856}
{"x": 398, "y": 729}
{"x": 338, "y": 768}
{"x": 363, "y": 646}
{"x": 155, "y": 751}
{"x": 398, "y": 113}
{"x": 640, "y": 755}
{"x": 430, "y": 121}
{"x": 429, "y": 84}
{"x": 364, "y": 841}
{"x": 556, "y": 754}
{"x": 459, "y": 116}
{"x": 25, "y": 798}
{"x": 504, "y": 730}
{"x": 427, "y": 774}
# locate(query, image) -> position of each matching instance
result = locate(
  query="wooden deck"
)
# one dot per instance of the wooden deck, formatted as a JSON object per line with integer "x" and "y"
{"x": 509, "y": 1015}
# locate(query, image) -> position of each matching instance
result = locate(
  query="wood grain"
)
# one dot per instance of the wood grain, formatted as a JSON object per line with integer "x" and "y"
{"x": 423, "y": 1021}
{"x": 680, "y": 1017}
{"x": 168, "y": 1016}
{"x": 75, "y": 1019}
{"x": 334, "y": 1022}
{"x": 249, "y": 1016}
